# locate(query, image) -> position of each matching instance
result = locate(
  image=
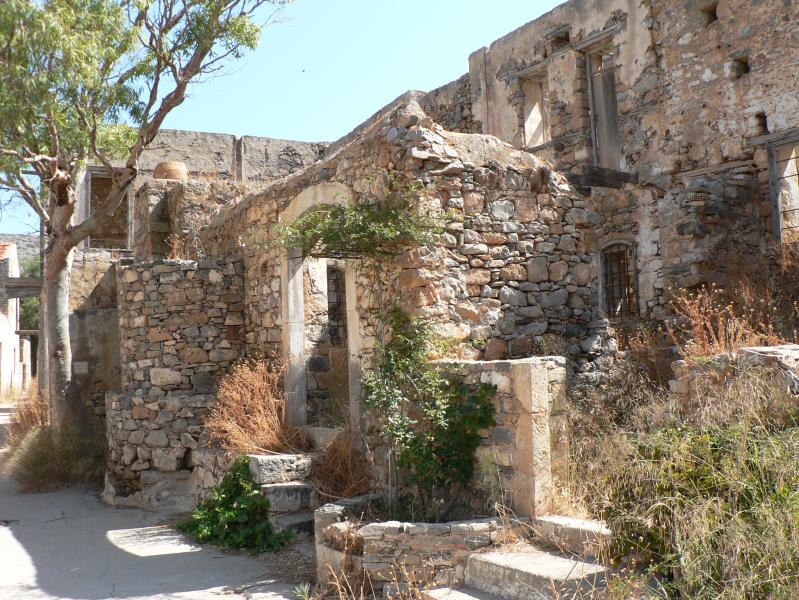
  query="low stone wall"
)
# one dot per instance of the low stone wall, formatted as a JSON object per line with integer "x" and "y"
{"x": 691, "y": 379}
{"x": 180, "y": 328}
{"x": 517, "y": 458}
{"x": 388, "y": 551}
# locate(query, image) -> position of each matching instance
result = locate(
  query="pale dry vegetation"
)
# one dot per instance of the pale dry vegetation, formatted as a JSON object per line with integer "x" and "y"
{"x": 248, "y": 415}
{"x": 42, "y": 458}
{"x": 752, "y": 309}
{"x": 702, "y": 495}
{"x": 343, "y": 469}
{"x": 705, "y": 500}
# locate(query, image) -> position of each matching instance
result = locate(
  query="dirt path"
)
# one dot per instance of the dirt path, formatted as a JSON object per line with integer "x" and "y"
{"x": 69, "y": 545}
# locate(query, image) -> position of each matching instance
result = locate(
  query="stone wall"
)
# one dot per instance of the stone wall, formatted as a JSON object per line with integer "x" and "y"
{"x": 515, "y": 262}
{"x": 180, "y": 329}
{"x": 169, "y": 214}
{"x": 700, "y": 93}
{"x": 181, "y": 324}
{"x": 390, "y": 551}
{"x": 451, "y": 106}
{"x": 692, "y": 379}
{"x": 249, "y": 158}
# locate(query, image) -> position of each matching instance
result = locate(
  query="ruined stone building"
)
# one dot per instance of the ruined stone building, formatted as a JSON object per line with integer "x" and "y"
{"x": 587, "y": 162}
{"x": 15, "y": 356}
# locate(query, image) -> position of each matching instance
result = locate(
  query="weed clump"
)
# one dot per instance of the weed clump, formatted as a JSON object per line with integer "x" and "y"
{"x": 42, "y": 458}
{"x": 235, "y": 515}
{"x": 342, "y": 470}
{"x": 706, "y": 500}
{"x": 248, "y": 415}
{"x": 30, "y": 413}
{"x": 47, "y": 459}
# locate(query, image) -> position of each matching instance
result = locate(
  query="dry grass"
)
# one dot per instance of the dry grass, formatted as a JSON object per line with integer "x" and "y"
{"x": 31, "y": 413}
{"x": 41, "y": 458}
{"x": 751, "y": 309}
{"x": 46, "y": 459}
{"x": 250, "y": 409}
{"x": 343, "y": 470}
{"x": 706, "y": 498}
{"x": 716, "y": 320}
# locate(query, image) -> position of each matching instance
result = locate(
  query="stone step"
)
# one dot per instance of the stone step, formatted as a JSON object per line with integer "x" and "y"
{"x": 279, "y": 468}
{"x": 532, "y": 574}
{"x": 583, "y": 537}
{"x": 292, "y": 496}
{"x": 463, "y": 593}
{"x": 300, "y": 524}
{"x": 322, "y": 436}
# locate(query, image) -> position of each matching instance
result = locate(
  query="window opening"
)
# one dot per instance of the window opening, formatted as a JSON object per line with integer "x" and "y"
{"x": 739, "y": 67}
{"x": 619, "y": 281}
{"x": 710, "y": 13}
{"x": 536, "y": 119}
{"x": 786, "y": 161}
{"x": 603, "y": 109}
{"x": 560, "y": 40}
{"x": 762, "y": 124}
{"x": 114, "y": 235}
{"x": 336, "y": 307}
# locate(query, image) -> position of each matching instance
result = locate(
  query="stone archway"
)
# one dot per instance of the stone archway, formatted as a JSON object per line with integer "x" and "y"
{"x": 322, "y": 382}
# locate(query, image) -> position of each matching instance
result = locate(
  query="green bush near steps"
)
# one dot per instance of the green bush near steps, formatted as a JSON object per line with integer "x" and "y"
{"x": 235, "y": 515}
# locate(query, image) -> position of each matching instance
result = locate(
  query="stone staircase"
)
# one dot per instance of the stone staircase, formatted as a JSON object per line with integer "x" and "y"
{"x": 283, "y": 479}
{"x": 532, "y": 573}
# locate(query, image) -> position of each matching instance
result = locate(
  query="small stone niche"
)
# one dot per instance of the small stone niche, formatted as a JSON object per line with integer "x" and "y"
{"x": 710, "y": 13}
{"x": 738, "y": 67}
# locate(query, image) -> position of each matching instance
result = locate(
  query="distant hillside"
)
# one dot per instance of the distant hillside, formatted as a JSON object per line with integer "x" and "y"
{"x": 27, "y": 245}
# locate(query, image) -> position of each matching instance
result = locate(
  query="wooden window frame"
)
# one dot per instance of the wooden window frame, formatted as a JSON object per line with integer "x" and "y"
{"x": 772, "y": 148}
{"x": 598, "y": 108}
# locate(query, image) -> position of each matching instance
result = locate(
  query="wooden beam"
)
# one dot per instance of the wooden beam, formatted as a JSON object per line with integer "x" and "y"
{"x": 23, "y": 287}
{"x": 592, "y": 176}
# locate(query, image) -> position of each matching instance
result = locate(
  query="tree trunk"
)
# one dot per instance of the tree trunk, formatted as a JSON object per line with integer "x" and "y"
{"x": 66, "y": 409}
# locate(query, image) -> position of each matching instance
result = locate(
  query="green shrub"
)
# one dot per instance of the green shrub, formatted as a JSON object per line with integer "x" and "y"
{"x": 373, "y": 228}
{"x": 707, "y": 501}
{"x": 235, "y": 515}
{"x": 431, "y": 419}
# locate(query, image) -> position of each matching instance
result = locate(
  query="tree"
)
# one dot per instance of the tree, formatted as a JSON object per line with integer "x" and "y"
{"x": 93, "y": 80}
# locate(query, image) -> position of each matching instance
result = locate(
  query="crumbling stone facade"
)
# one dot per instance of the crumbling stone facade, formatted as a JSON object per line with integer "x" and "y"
{"x": 675, "y": 118}
{"x": 588, "y": 162}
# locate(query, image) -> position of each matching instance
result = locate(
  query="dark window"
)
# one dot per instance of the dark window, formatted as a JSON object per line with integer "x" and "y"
{"x": 560, "y": 40}
{"x": 336, "y": 307}
{"x": 619, "y": 281}
{"x": 113, "y": 235}
{"x": 739, "y": 67}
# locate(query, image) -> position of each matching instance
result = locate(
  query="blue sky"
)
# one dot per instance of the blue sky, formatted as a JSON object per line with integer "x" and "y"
{"x": 330, "y": 64}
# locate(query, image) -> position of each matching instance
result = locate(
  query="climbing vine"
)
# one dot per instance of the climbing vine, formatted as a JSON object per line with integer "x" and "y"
{"x": 430, "y": 418}
{"x": 374, "y": 228}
